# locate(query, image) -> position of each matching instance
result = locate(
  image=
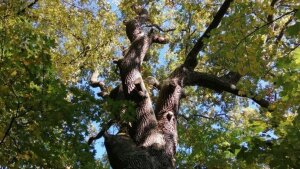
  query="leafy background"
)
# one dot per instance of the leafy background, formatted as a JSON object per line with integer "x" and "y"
{"x": 49, "y": 49}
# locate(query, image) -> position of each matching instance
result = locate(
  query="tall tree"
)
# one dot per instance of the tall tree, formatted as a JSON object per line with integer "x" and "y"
{"x": 226, "y": 94}
{"x": 150, "y": 140}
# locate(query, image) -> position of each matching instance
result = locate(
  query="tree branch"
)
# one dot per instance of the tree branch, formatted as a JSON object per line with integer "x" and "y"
{"x": 28, "y": 6}
{"x": 14, "y": 116}
{"x": 101, "y": 133}
{"x": 219, "y": 85}
{"x": 159, "y": 39}
{"x": 8, "y": 129}
{"x": 191, "y": 60}
{"x": 153, "y": 81}
{"x": 160, "y": 29}
{"x": 95, "y": 83}
{"x": 264, "y": 25}
{"x": 232, "y": 77}
{"x": 280, "y": 35}
{"x": 270, "y": 16}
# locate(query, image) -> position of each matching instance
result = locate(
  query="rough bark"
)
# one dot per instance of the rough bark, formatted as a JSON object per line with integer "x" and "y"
{"x": 151, "y": 140}
{"x": 144, "y": 145}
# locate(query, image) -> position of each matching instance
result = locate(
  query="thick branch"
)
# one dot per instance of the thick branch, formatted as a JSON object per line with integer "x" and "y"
{"x": 232, "y": 77}
{"x": 191, "y": 60}
{"x": 219, "y": 85}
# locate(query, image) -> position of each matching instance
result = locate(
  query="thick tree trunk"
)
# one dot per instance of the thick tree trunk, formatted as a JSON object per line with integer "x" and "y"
{"x": 147, "y": 144}
{"x": 150, "y": 141}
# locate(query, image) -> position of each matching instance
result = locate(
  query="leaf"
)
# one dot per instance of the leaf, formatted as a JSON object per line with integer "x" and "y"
{"x": 294, "y": 30}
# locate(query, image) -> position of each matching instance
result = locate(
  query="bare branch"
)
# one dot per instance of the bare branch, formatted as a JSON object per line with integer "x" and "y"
{"x": 94, "y": 80}
{"x": 294, "y": 48}
{"x": 191, "y": 60}
{"x": 219, "y": 85}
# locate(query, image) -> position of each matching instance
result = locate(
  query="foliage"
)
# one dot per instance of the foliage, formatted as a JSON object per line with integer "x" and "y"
{"x": 49, "y": 49}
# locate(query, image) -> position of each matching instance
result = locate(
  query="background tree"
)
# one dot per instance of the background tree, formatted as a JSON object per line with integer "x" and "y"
{"x": 232, "y": 66}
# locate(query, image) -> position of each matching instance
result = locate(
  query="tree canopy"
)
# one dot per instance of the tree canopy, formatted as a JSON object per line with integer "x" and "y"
{"x": 241, "y": 102}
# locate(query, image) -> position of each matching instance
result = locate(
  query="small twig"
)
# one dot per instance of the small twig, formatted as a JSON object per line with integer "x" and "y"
{"x": 264, "y": 25}
{"x": 8, "y": 129}
{"x": 14, "y": 116}
{"x": 294, "y": 48}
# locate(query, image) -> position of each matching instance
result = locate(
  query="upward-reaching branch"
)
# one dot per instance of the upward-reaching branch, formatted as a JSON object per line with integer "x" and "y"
{"x": 191, "y": 60}
{"x": 143, "y": 130}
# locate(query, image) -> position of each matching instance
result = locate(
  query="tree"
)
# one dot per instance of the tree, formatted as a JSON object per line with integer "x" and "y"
{"x": 52, "y": 51}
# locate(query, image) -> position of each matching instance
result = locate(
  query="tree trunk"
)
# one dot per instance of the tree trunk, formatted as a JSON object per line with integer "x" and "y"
{"x": 150, "y": 141}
